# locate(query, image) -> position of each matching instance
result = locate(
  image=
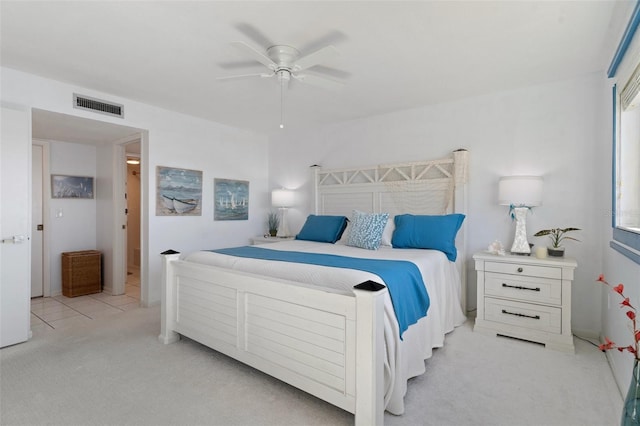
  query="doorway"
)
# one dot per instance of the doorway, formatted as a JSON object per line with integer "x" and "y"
{"x": 133, "y": 212}
{"x": 63, "y": 132}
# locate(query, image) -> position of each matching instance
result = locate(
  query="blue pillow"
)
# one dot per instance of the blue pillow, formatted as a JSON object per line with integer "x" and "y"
{"x": 366, "y": 229}
{"x": 324, "y": 229}
{"x": 428, "y": 232}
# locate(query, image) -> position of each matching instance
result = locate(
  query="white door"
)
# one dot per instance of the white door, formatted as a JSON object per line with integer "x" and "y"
{"x": 37, "y": 282}
{"x": 15, "y": 220}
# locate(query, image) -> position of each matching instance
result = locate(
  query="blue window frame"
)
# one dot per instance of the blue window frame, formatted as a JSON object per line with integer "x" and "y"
{"x": 625, "y": 241}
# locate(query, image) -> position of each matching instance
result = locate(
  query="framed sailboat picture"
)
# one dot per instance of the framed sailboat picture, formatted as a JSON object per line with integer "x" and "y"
{"x": 231, "y": 199}
{"x": 178, "y": 192}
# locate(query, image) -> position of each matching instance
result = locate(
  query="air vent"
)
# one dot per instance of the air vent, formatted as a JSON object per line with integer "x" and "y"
{"x": 97, "y": 105}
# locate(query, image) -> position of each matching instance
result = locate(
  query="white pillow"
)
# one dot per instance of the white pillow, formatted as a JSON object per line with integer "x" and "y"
{"x": 345, "y": 235}
{"x": 387, "y": 234}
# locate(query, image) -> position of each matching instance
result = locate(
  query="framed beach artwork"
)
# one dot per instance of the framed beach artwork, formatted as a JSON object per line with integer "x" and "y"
{"x": 63, "y": 186}
{"x": 178, "y": 192}
{"x": 231, "y": 199}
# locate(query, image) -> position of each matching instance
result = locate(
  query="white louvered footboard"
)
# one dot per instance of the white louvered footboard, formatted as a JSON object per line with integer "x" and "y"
{"x": 327, "y": 344}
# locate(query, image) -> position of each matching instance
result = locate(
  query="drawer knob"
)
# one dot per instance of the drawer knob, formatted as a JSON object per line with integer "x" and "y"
{"x": 520, "y": 269}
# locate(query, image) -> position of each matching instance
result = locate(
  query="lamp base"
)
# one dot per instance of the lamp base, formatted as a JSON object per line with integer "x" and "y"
{"x": 283, "y": 229}
{"x": 520, "y": 243}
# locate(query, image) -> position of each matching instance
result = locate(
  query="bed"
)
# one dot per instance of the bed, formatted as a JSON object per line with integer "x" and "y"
{"x": 331, "y": 331}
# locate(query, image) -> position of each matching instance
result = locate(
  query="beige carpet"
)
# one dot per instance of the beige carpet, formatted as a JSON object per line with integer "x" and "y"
{"x": 115, "y": 372}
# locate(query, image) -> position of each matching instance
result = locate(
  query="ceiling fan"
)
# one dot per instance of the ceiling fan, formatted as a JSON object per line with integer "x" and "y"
{"x": 285, "y": 63}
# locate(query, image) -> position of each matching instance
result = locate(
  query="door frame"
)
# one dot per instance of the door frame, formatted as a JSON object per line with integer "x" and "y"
{"x": 120, "y": 204}
{"x": 46, "y": 223}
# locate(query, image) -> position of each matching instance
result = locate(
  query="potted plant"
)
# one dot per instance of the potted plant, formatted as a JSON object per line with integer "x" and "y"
{"x": 557, "y": 236}
{"x": 273, "y": 221}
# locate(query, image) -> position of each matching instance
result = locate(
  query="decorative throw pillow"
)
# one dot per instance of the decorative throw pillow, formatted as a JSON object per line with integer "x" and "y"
{"x": 428, "y": 232}
{"x": 366, "y": 229}
{"x": 323, "y": 229}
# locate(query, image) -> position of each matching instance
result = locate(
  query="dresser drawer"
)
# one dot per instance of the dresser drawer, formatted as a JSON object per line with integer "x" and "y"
{"x": 535, "y": 317}
{"x": 523, "y": 269}
{"x": 525, "y": 288}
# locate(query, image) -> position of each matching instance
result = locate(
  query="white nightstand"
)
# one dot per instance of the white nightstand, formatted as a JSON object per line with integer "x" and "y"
{"x": 526, "y": 297}
{"x": 261, "y": 239}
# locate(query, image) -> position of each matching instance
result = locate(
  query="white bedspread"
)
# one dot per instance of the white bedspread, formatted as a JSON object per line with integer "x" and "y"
{"x": 405, "y": 358}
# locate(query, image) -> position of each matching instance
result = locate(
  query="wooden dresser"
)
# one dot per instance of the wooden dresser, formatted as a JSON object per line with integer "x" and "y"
{"x": 526, "y": 298}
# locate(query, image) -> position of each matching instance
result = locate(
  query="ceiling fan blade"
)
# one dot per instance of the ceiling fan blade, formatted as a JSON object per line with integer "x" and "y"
{"x": 230, "y": 77}
{"x": 315, "y": 80}
{"x": 255, "y": 34}
{"x": 333, "y": 37}
{"x": 255, "y": 54}
{"x": 239, "y": 64}
{"x": 315, "y": 58}
{"x": 332, "y": 72}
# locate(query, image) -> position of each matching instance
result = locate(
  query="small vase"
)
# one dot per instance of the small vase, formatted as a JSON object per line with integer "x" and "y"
{"x": 631, "y": 408}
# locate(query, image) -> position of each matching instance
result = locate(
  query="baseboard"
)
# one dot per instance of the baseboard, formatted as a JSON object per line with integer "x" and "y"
{"x": 594, "y": 336}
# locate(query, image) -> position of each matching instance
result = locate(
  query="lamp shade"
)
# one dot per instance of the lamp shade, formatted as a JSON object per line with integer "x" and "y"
{"x": 520, "y": 191}
{"x": 282, "y": 198}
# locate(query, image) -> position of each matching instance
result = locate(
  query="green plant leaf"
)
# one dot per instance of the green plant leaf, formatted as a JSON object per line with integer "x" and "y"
{"x": 557, "y": 235}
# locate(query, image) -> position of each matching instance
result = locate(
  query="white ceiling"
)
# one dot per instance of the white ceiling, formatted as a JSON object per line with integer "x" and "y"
{"x": 393, "y": 55}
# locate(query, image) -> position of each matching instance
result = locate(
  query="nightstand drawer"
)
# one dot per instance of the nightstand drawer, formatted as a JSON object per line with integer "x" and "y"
{"x": 523, "y": 269}
{"x": 531, "y": 289}
{"x": 535, "y": 317}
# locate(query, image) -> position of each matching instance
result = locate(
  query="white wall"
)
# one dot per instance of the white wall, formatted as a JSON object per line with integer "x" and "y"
{"x": 109, "y": 219}
{"x": 173, "y": 140}
{"x": 550, "y": 130}
{"x": 76, "y": 229}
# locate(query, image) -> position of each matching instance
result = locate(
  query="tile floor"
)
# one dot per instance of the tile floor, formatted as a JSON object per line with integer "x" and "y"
{"x": 53, "y": 313}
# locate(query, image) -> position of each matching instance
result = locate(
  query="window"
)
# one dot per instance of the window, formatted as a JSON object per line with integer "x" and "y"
{"x": 626, "y": 151}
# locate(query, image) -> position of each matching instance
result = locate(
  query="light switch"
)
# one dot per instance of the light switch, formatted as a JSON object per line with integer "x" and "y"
{"x": 59, "y": 213}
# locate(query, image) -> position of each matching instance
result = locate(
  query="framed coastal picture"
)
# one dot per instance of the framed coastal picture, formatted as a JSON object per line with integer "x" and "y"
{"x": 231, "y": 199}
{"x": 178, "y": 192}
{"x": 64, "y": 186}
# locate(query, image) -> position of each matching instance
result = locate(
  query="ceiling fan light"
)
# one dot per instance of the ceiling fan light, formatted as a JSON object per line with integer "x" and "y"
{"x": 284, "y": 76}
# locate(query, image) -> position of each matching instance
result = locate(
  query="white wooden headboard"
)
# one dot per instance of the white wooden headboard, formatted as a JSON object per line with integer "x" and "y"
{"x": 422, "y": 187}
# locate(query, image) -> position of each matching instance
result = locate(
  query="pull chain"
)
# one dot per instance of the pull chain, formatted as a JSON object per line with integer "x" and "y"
{"x": 282, "y": 103}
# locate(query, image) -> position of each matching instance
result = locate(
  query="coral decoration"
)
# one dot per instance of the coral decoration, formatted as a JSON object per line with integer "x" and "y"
{"x": 631, "y": 314}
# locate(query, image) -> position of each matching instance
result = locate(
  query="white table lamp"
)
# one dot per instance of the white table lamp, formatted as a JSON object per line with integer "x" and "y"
{"x": 520, "y": 193}
{"x": 283, "y": 199}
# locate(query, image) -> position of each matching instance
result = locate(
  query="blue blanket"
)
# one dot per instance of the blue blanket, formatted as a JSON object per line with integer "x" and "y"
{"x": 402, "y": 278}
